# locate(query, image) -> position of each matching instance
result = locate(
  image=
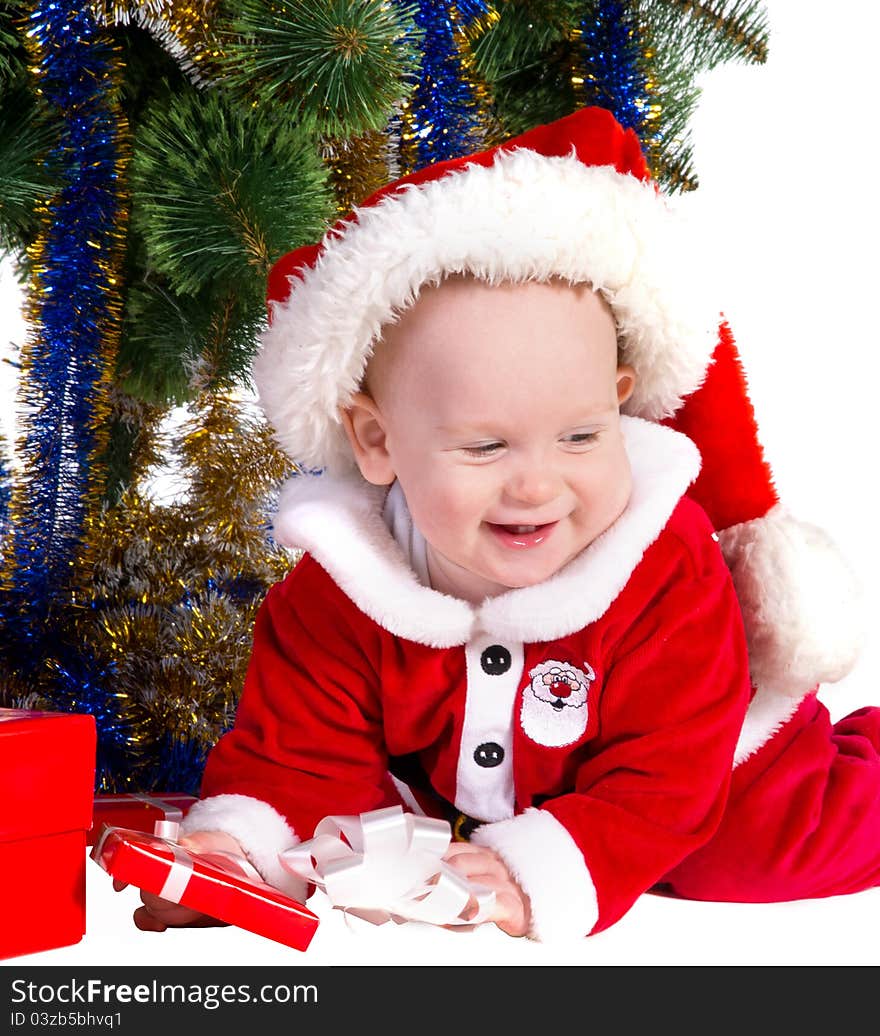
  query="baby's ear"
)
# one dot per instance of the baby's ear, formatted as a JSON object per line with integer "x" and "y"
{"x": 626, "y": 382}
{"x": 365, "y": 428}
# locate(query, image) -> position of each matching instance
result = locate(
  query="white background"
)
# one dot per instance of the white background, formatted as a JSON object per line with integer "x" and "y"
{"x": 787, "y": 156}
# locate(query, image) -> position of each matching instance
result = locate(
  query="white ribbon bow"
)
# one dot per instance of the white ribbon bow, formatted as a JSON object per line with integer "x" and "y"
{"x": 387, "y": 865}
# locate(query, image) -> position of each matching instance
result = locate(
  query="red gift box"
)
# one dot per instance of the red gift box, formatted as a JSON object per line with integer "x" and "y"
{"x": 47, "y": 783}
{"x": 138, "y": 812}
{"x": 217, "y": 884}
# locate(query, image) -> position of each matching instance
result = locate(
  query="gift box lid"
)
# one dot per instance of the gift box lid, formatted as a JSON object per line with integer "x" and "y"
{"x": 217, "y": 884}
{"x": 47, "y": 772}
{"x": 138, "y": 811}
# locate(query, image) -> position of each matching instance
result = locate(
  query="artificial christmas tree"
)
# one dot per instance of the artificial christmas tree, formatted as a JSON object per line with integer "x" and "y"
{"x": 157, "y": 159}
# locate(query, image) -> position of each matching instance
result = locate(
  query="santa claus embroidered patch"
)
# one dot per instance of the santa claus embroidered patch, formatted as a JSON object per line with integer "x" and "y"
{"x": 555, "y": 705}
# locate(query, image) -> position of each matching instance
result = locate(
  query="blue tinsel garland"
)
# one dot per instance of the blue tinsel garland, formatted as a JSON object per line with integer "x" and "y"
{"x": 74, "y": 312}
{"x": 446, "y": 120}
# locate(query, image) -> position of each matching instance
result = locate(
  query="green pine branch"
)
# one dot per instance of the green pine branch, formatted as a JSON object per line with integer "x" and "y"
{"x": 25, "y": 186}
{"x": 220, "y": 191}
{"x": 711, "y": 33}
{"x": 340, "y": 66}
{"x": 13, "y": 57}
{"x": 525, "y": 31}
{"x": 526, "y": 58}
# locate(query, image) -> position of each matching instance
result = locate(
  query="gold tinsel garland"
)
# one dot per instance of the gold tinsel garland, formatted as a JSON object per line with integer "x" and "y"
{"x": 184, "y": 28}
{"x": 182, "y": 578}
{"x": 357, "y": 167}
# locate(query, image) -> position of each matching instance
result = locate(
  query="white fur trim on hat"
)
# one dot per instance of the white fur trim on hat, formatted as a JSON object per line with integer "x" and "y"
{"x": 768, "y": 712}
{"x": 526, "y": 217}
{"x": 800, "y": 599}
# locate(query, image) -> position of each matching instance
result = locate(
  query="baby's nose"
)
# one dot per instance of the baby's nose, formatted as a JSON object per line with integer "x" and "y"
{"x": 533, "y": 484}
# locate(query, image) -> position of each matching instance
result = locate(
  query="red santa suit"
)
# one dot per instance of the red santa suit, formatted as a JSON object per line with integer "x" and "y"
{"x": 589, "y": 722}
{"x": 598, "y": 725}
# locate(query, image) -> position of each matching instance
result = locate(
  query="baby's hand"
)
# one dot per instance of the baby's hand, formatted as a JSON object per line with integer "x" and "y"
{"x": 512, "y": 911}
{"x": 158, "y": 914}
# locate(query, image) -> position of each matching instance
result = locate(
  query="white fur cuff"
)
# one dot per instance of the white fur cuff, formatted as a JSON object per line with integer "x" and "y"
{"x": 259, "y": 829}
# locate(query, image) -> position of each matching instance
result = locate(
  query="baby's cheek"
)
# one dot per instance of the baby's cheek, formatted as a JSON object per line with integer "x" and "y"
{"x": 610, "y": 484}
{"x": 454, "y": 499}
{"x": 446, "y": 525}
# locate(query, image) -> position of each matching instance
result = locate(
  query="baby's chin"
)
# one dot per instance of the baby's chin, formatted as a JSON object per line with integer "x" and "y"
{"x": 475, "y": 582}
{"x": 530, "y": 576}
{"x": 525, "y": 582}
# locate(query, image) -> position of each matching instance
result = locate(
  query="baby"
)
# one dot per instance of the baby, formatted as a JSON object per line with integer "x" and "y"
{"x": 512, "y": 611}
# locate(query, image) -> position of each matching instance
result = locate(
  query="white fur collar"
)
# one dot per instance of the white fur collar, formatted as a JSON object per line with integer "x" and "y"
{"x": 339, "y": 522}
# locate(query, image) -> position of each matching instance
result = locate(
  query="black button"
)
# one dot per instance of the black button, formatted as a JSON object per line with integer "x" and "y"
{"x": 495, "y": 660}
{"x": 489, "y": 754}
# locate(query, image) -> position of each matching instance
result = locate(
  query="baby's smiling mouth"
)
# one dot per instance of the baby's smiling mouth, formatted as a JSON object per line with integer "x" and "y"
{"x": 522, "y": 528}
{"x": 522, "y": 535}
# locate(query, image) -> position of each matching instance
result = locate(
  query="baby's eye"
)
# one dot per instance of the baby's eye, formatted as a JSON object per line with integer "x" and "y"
{"x": 483, "y": 449}
{"x": 581, "y": 438}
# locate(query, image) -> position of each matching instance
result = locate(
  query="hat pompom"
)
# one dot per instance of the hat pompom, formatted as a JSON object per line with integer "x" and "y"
{"x": 800, "y": 599}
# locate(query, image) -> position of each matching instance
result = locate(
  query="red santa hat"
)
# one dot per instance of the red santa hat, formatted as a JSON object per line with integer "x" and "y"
{"x": 570, "y": 200}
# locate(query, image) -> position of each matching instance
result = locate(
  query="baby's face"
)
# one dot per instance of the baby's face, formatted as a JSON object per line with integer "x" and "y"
{"x": 497, "y": 409}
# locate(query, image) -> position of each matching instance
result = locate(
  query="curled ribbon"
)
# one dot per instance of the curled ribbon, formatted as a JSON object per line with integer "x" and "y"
{"x": 387, "y": 865}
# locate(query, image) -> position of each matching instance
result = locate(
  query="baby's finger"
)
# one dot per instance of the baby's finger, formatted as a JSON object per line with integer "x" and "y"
{"x": 155, "y": 903}
{"x": 460, "y": 927}
{"x": 147, "y": 921}
{"x": 473, "y": 865}
{"x": 510, "y": 914}
{"x": 118, "y": 885}
{"x": 462, "y": 849}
